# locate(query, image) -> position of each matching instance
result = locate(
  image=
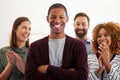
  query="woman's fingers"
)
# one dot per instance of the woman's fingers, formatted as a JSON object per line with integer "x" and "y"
{"x": 10, "y": 56}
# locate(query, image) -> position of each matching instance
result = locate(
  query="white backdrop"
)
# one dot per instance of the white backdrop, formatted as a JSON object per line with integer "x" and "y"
{"x": 36, "y": 10}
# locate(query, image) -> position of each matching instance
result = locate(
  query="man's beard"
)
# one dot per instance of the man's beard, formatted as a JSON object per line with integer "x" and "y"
{"x": 81, "y": 35}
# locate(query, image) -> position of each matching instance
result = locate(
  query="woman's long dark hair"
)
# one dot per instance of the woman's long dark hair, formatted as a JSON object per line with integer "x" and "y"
{"x": 17, "y": 22}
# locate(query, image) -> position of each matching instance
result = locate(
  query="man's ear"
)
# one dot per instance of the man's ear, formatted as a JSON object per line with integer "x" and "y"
{"x": 73, "y": 24}
{"x": 67, "y": 18}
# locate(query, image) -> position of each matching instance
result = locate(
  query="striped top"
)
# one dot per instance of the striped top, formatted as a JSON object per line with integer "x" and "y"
{"x": 93, "y": 64}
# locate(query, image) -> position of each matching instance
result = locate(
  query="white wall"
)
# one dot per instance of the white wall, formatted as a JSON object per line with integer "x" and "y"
{"x": 98, "y": 11}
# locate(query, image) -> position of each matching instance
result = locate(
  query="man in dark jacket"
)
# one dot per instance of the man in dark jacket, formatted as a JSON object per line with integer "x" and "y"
{"x": 57, "y": 56}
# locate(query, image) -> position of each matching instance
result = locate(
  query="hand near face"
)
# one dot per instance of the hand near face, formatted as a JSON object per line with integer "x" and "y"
{"x": 104, "y": 52}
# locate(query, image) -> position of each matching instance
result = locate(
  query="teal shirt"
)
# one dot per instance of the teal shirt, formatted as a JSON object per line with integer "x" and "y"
{"x": 15, "y": 73}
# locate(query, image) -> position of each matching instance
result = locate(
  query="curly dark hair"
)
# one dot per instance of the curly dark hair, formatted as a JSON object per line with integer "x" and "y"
{"x": 113, "y": 29}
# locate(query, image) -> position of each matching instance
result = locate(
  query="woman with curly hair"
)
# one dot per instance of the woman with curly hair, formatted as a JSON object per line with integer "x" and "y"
{"x": 104, "y": 63}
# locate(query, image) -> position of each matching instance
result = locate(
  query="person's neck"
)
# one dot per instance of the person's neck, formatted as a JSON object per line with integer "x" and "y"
{"x": 83, "y": 39}
{"x": 20, "y": 44}
{"x": 56, "y": 36}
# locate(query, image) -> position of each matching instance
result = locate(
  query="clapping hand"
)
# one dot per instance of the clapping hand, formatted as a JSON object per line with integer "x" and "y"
{"x": 104, "y": 53}
{"x": 10, "y": 57}
{"x": 20, "y": 63}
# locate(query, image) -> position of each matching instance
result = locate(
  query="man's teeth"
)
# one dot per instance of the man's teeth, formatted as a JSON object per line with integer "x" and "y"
{"x": 57, "y": 25}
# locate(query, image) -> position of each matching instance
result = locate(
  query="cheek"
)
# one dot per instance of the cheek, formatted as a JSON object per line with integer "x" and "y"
{"x": 86, "y": 28}
{"x": 98, "y": 41}
{"x": 18, "y": 33}
{"x": 75, "y": 28}
{"x": 64, "y": 21}
{"x": 110, "y": 41}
